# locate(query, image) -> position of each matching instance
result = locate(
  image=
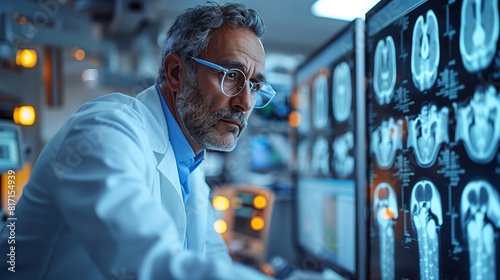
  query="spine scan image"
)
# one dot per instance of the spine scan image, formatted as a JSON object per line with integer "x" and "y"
{"x": 425, "y": 51}
{"x": 427, "y": 216}
{"x": 426, "y": 133}
{"x": 386, "y": 140}
{"x": 342, "y": 92}
{"x": 385, "y": 71}
{"x": 478, "y": 124}
{"x": 479, "y": 32}
{"x": 480, "y": 217}
{"x": 320, "y": 102}
{"x": 385, "y": 211}
{"x": 320, "y": 157}
{"x": 343, "y": 163}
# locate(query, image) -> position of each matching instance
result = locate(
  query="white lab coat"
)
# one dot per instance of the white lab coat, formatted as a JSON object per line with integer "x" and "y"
{"x": 104, "y": 202}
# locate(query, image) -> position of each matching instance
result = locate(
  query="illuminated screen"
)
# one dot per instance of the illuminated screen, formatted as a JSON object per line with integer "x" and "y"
{"x": 327, "y": 151}
{"x": 433, "y": 71}
{"x": 10, "y": 157}
{"x": 327, "y": 220}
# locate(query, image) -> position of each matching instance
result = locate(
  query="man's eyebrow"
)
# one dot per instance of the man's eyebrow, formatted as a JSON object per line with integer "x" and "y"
{"x": 259, "y": 77}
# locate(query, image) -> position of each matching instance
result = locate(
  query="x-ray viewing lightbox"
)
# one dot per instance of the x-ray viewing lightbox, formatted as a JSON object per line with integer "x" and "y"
{"x": 433, "y": 115}
{"x": 329, "y": 141}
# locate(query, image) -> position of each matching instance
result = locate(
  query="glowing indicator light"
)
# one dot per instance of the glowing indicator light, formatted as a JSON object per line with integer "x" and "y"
{"x": 26, "y": 58}
{"x": 79, "y": 54}
{"x": 259, "y": 202}
{"x": 220, "y": 203}
{"x": 294, "y": 119}
{"x": 24, "y": 115}
{"x": 257, "y": 223}
{"x": 220, "y": 226}
{"x": 23, "y": 20}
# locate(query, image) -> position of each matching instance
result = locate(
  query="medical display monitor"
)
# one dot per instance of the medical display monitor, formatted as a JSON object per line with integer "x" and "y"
{"x": 328, "y": 87}
{"x": 433, "y": 116}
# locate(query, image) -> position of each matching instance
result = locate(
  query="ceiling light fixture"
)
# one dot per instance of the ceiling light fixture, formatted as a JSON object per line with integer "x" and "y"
{"x": 339, "y": 9}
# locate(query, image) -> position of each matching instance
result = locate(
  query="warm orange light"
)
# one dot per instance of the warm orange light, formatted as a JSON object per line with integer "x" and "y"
{"x": 220, "y": 203}
{"x": 220, "y": 226}
{"x": 387, "y": 213}
{"x": 79, "y": 54}
{"x": 22, "y": 20}
{"x": 257, "y": 223}
{"x": 294, "y": 119}
{"x": 15, "y": 15}
{"x": 259, "y": 202}
{"x": 21, "y": 177}
{"x": 26, "y": 58}
{"x": 24, "y": 115}
{"x": 267, "y": 269}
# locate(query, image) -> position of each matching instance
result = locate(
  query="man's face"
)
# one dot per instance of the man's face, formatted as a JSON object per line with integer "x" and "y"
{"x": 213, "y": 120}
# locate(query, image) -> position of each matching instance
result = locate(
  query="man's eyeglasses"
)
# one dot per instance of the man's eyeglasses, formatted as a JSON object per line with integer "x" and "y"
{"x": 234, "y": 81}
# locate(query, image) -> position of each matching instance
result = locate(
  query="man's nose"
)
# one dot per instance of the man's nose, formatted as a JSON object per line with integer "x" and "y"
{"x": 244, "y": 101}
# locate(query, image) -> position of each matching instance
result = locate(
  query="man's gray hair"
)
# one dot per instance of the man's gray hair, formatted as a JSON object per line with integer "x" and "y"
{"x": 191, "y": 31}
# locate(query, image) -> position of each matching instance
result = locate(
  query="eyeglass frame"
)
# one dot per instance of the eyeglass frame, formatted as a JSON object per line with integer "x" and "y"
{"x": 225, "y": 70}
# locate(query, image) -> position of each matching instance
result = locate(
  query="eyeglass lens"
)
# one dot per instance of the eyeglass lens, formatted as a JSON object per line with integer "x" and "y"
{"x": 234, "y": 82}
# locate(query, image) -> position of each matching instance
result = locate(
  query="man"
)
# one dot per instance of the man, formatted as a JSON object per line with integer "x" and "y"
{"x": 117, "y": 193}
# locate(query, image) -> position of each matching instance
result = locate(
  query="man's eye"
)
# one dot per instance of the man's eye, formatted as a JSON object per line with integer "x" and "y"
{"x": 256, "y": 87}
{"x": 231, "y": 75}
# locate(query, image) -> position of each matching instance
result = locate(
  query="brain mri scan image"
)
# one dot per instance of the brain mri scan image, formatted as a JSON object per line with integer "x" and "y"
{"x": 303, "y": 96}
{"x": 343, "y": 163}
{"x": 478, "y": 124}
{"x": 427, "y": 216}
{"x": 425, "y": 51}
{"x": 385, "y": 211}
{"x": 479, "y": 30}
{"x": 385, "y": 70}
{"x": 320, "y": 102}
{"x": 342, "y": 92}
{"x": 427, "y": 132}
{"x": 387, "y": 139}
{"x": 480, "y": 217}
{"x": 320, "y": 157}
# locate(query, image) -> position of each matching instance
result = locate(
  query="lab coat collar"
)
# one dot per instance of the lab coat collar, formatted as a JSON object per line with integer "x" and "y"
{"x": 159, "y": 139}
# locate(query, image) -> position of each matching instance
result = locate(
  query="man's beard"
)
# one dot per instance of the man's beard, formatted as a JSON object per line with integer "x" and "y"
{"x": 201, "y": 124}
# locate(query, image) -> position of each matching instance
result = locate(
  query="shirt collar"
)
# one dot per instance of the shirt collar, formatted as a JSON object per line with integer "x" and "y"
{"x": 182, "y": 149}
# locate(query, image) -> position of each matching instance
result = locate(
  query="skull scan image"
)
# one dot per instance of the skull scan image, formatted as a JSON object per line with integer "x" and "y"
{"x": 427, "y": 132}
{"x": 427, "y": 216}
{"x": 425, "y": 51}
{"x": 342, "y": 92}
{"x": 320, "y": 157}
{"x": 386, "y": 140}
{"x": 385, "y": 211}
{"x": 303, "y": 96}
{"x": 384, "y": 72}
{"x": 343, "y": 163}
{"x": 480, "y": 216}
{"x": 320, "y": 102}
{"x": 479, "y": 31}
{"x": 478, "y": 124}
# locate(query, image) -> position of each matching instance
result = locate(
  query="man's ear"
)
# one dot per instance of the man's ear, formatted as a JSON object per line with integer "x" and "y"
{"x": 175, "y": 73}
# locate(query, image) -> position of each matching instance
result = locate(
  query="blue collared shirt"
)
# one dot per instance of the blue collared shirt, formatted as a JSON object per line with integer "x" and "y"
{"x": 187, "y": 160}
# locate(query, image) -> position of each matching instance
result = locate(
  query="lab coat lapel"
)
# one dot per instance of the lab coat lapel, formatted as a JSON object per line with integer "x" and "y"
{"x": 196, "y": 209}
{"x": 170, "y": 188}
